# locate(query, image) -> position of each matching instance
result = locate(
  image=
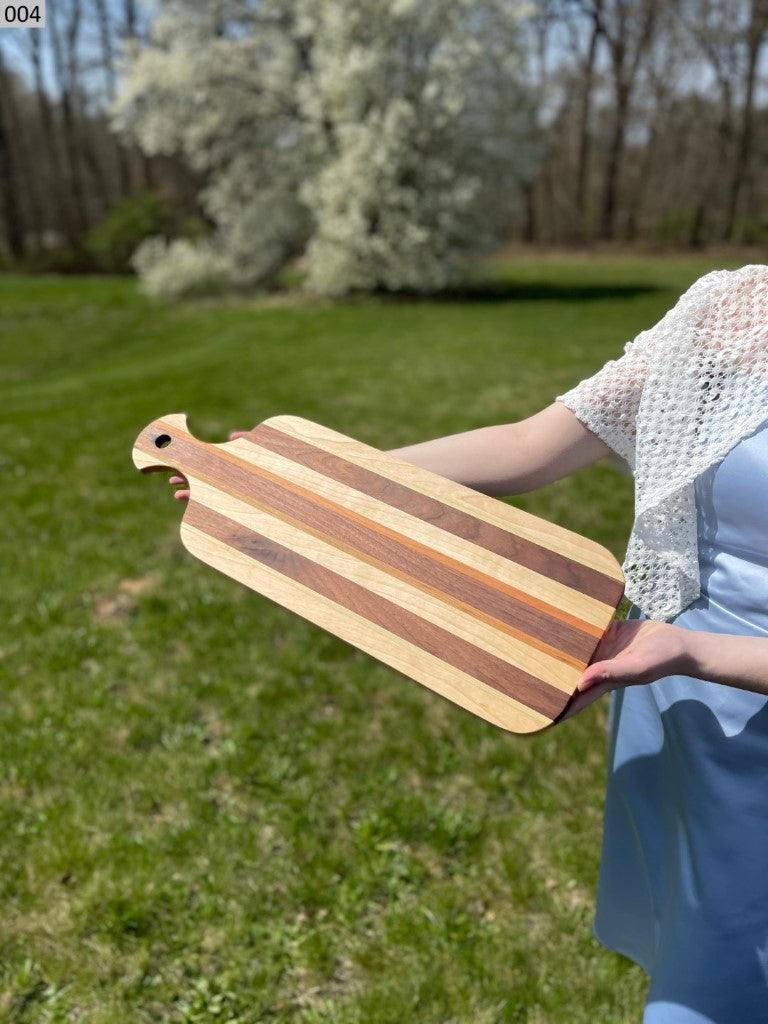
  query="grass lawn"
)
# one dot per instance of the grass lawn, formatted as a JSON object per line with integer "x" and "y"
{"x": 211, "y": 811}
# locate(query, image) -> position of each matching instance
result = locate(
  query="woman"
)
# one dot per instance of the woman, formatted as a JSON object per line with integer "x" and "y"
{"x": 684, "y": 874}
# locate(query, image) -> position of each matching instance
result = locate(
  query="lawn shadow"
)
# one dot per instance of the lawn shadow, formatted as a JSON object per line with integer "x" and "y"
{"x": 526, "y": 291}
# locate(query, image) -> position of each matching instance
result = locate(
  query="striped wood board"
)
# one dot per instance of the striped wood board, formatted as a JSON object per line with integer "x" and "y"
{"x": 495, "y": 609}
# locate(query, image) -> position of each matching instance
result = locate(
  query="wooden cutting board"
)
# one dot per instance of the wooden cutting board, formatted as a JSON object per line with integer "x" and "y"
{"x": 495, "y": 609}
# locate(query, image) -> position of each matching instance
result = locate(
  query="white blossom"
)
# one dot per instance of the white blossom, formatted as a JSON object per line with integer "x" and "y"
{"x": 180, "y": 267}
{"x": 381, "y": 140}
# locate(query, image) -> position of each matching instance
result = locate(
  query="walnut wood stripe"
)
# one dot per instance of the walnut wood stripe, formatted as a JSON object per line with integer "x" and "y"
{"x": 565, "y": 542}
{"x": 432, "y": 672}
{"x": 467, "y": 657}
{"x": 475, "y": 560}
{"x": 493, "y": 538}
{"x": 538, "y": 659}
{"x": 421, "y": 584}
{"x": 373, "y": 542}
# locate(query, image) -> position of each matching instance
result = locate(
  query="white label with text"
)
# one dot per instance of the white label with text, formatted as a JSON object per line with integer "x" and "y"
{"x": 22, "y": 15}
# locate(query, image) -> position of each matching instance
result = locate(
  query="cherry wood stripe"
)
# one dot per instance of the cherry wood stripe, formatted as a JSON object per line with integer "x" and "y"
{"x": 434, "y": 673}
{"x": 466, "y": 657}
{"x": 493, "y": 538}
{"x": 385, "y": 548}
{"x": 468, "y": 557}
{"x": 505, "y": 642}
{"x": 477, "y": 505}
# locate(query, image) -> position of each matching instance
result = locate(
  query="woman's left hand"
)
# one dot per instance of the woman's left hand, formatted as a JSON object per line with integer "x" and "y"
{"x": 631, "y": 652}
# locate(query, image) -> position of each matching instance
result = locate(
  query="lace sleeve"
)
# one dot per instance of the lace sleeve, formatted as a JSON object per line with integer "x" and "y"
{"x": 678, "y": 400}
{"x": 607, "y": 403}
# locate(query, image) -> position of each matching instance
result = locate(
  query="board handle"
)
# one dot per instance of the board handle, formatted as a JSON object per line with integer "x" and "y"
{"x": 157, "y": 447}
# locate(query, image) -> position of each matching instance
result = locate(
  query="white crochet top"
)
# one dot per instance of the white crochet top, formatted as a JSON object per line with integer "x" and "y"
{"x": 681, "y": 397}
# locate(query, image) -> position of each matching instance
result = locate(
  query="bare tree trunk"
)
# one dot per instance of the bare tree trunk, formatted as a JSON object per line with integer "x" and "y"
{"x": 74, "y": 172}
{"x": 717, "y": 171}
{"x": 83, "y": 125}
{"x": 49, "y": 134}
{"x": 10, "y": 198}
{"x": 530, "y": 220}
{"x": 629, "y": 32}
{"x": 613, "y": 161}
{"x": 131, "y": 33}
{"x": 758, "y": 24}
{"x": 20, "y": 128}
{"x": 585, "y": 137}
{"x": 110, "y": 83}
{"x": 636, "y": 201}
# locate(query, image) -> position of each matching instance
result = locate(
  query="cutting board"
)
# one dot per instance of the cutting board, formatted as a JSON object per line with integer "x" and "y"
{"x": 493, "y": 608}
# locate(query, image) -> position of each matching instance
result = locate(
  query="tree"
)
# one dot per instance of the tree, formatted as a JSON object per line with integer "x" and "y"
{"x": 755, "y": 33}
{"x": 10, "y": 204}
{"x": 628, "y": 30}
{"x": 730, "y": 36}
{"x": 384, "y": 140}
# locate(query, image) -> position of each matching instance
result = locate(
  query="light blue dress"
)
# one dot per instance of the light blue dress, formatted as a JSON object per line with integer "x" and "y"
{"x": 683, "y": 885}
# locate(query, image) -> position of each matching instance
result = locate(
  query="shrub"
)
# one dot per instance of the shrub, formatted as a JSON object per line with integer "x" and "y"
{"x": 113, "y": 242}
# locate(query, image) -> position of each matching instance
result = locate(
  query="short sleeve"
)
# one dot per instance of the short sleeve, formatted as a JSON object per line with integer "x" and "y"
{"x": 607, "y": 403}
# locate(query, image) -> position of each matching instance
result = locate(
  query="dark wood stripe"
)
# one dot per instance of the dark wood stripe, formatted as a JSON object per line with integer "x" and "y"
{"x": 517, "y": 549}
{"x": 324, "y": 519}
{"x": 474, "y": 661}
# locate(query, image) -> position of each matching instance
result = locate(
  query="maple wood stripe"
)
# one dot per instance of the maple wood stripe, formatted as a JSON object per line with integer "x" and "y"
{"x": 505, "y": 575}
{"x": 539, "y": 659}
{"x": 433, "y": 555}
{"x": 343, "y": 528}
{"x": 432, "y": 672}
{"x": 474, "y": 661}
{"x": 493, "y": 538}
{"x": 482, "y": 506}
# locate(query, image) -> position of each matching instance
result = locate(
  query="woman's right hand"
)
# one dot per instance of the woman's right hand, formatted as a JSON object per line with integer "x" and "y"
{"x": 176, "y": 479}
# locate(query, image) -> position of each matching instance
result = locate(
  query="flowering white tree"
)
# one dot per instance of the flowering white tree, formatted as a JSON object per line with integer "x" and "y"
{"x": 381, "y": 140}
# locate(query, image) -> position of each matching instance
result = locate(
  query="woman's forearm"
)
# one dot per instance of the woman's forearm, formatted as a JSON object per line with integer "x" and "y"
{"x": 511, "y": 458}
{"x": 740, "y": 661}
{"x": 636, "y": 651}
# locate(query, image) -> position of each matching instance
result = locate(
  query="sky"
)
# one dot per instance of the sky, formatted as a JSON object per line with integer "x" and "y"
{"x": 15, "y": 47}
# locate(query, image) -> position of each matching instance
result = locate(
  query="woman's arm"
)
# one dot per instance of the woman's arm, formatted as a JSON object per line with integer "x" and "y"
{"x": 513, "y": 457}
{"x": 506, "y": 459}
{"x": 734, "y": 660}
{"x": 641, "y": 650}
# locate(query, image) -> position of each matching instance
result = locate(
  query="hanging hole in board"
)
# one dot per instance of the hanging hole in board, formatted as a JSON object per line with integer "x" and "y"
{"x": 162, "y": 441}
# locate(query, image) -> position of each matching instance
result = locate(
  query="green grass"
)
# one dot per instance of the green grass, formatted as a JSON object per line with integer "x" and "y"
{"x": 212, "y": 811}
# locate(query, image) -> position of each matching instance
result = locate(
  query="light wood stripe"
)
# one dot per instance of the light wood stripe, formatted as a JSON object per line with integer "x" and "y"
{"x": 469, "y": 556}
{"x": 555, "y": 551}
{"x": 339, "y": 526}
{"x": 415, "y": 630}
{"x": 504, "y": 642}
{"x": 432, "y": 672}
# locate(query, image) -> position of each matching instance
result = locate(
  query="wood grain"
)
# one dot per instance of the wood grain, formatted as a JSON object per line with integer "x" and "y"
{"x": 370, "y": 547}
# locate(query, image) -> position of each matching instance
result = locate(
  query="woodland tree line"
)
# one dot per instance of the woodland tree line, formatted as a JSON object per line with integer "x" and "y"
{"x": 649, "y": 121}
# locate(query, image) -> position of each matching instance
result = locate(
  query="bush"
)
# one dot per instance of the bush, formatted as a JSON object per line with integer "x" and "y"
{"x": 751, "y": 231}
{"x": 675, "y": 227}
{"x": 113, "y": 242}
{"x": 181, "y": 267}
{"x": 60, "y": 259}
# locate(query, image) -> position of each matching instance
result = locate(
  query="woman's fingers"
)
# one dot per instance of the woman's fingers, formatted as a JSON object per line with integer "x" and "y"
{"x": 183, "y": 493}
{"x": 583, "y": 698}
{"x": 636, "y": 651}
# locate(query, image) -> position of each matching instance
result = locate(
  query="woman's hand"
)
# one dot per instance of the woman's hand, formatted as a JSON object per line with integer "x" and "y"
{"x": 183, "y": 494}
{"x": 631, "y": 652}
